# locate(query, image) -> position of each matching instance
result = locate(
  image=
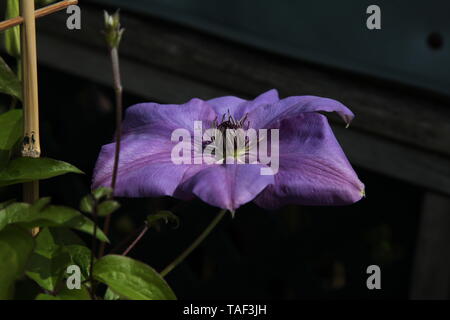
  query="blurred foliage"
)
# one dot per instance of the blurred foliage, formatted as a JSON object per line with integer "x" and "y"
{"x": 11, "y": 124}
{"x": 12, "y": 35}
{"x": 9, "y": 82}
{"x": 43, "y": 3}
{"x": 16, "y": 245}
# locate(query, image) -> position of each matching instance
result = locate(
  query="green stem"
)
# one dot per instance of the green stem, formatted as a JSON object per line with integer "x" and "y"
{"x": 93, "y": 250}
{"x": 134, "y": 243}
{"x": 118, "y": 90}
{"x": 195, "y": 244}
{"x": 114, "y": 53}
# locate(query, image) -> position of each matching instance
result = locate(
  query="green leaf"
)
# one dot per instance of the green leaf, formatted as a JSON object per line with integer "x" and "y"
{"x": 75, "y": 294}
{"x": 111, "y": 295}
{"x": 80, "y": 256}
{"x": 16, "y": 246}
{"x": 87, "y": 204}
{"x": 102, "y": 193}
{"x": 107, "y": 207}
{"x": 40, "y": 204}
{"x": 11, "y": 124}
{"x": 67, "y": 294}
{"x": 58, "y": 216}
{"x": 9, "y": 83}
{"x": 22, "y": 170}
{"x": 66, "y": 237}
{"x": 48, "y": 262}
{"x": 16, "y": 212}
{"x": 132, "y": 279}
{"x": 164, "y": 215}
{"x": 12, "y": 35}
{"x": 43, "y": 296}
{"x": 5, "y": 204}
{"x": 30, "y": 216}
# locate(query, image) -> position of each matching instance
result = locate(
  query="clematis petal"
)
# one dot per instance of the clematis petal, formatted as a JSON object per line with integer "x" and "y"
{"x": 225, "y": 186}
{"x": 145, "y": 168}
{"x": 222, "y": 105}
{"x": 265, "y": 116}
{"x": 267, "y": 98}
{"x": 168, "y": 117}
{"x": 239, "y": 107}
{"x": 313, "y": 168}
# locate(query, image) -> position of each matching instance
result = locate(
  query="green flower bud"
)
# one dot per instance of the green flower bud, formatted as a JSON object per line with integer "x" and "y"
{"x": 113, "y": 31}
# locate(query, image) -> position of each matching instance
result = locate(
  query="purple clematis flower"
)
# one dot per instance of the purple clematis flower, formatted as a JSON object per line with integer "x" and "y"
{"x": 313, "y": 169}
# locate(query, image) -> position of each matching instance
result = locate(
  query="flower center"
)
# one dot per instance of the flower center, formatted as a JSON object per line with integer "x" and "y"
{"x": 229, "y": 122}
{"x": 234, "y": 142}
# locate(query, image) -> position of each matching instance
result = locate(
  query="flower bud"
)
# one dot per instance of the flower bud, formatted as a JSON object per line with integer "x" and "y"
{"x": 113, "y": 31}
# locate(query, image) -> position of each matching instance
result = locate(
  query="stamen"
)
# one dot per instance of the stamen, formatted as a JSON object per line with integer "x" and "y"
{"x": 228, "y": 122}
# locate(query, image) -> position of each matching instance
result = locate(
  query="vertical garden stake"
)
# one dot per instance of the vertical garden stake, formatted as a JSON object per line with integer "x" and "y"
{"x": 31, "y": 147}
{"x": 31, "y": 142}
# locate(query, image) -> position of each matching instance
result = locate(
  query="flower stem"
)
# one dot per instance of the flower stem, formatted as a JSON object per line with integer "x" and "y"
{"x": 118, "y": 90}
{"x": 195, "y": 244}
{"x": 114, "y": 52}
{"x": 139, "y": 237}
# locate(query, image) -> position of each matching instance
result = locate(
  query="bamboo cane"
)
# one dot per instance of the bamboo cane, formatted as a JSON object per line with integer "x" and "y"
{"x": 31, "y": 144}
{"x": 31, "y": 141}
{"x": 39, "y": 13}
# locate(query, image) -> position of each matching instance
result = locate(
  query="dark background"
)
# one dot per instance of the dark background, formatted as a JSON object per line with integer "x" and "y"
{"x": 296, "y": 252}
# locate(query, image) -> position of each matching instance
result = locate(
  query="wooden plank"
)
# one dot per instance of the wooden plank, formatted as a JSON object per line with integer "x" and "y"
{"x": 154, "y": 79}
{"x": 148, "y": 82}
{"x": 385, "y": 109}
{"x": 417, "y": 166}
{"x": 431, "y": 274}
